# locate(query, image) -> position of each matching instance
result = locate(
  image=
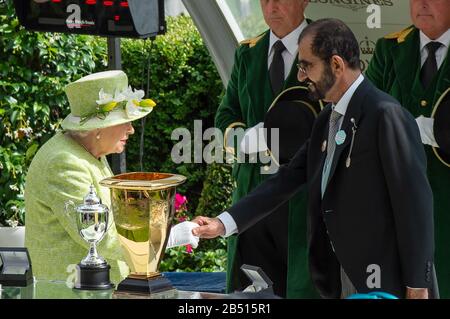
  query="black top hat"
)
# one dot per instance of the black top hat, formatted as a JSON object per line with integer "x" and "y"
{"x": 293, "y": 113}
{"x": 441, "y": 128}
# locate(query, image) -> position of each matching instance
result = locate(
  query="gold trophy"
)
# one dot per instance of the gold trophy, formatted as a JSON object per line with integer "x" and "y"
{"x": 143, "y": 209}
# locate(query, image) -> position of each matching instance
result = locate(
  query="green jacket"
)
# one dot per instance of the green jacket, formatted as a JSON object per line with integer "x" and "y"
{"x": 63, "y": 170}
{"x": 247, "y": 99}
{"x": 395, "y": 69}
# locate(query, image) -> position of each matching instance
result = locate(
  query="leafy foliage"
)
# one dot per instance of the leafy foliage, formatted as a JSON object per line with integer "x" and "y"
{"x": 34, "y": 68}
{"x": 217, "y": 190}
{"x": 201, "y": 259}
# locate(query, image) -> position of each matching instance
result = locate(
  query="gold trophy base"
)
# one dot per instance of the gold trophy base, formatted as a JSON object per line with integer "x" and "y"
{"x": 144, "y": 285}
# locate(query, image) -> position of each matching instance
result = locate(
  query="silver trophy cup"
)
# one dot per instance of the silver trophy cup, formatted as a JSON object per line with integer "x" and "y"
{"x": 92, "y": 223}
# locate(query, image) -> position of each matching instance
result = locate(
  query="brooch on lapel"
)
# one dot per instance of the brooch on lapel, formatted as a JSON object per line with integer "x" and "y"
{"x": 354, "y": 128}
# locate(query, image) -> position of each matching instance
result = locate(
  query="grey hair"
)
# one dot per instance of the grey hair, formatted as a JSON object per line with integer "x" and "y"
{"x": 79, "y": 134}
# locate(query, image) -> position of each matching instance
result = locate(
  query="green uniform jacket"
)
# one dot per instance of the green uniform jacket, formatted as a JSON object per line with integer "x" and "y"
{"x": 247, "y": 99}
{"x": 395, "y": 69}
{"x": 62, "y": 170}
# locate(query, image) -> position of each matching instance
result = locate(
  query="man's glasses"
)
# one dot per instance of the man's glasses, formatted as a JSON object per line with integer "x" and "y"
{"x": 303, "y": 67}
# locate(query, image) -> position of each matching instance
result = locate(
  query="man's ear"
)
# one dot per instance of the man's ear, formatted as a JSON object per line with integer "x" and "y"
{"x": 337, "y": 64}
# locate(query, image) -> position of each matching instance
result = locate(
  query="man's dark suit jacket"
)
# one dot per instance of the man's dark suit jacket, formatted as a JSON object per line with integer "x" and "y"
{"x": 378, "y": 211}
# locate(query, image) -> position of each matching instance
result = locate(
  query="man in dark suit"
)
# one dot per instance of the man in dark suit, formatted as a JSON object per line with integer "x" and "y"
{"x": 370, "y": 219}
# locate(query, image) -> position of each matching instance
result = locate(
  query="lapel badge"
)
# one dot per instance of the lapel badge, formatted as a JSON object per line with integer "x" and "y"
{"x": 340, "y": 137}
{"x": 324, "y": 146}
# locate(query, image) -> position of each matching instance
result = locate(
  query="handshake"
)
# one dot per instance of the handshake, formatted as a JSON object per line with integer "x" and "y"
{"x": 189, "y": 233}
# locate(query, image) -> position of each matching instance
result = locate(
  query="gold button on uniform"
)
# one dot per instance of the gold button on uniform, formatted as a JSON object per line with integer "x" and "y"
{"x": 423, "y": 103}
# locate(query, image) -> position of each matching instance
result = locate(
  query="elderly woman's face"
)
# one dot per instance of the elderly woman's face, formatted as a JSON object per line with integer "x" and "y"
{"x": 113, "y": 139}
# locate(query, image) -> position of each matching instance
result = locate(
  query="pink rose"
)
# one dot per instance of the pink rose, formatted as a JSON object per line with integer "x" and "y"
{"x": 179, "y": 201}
{"x": 189, "y": 249}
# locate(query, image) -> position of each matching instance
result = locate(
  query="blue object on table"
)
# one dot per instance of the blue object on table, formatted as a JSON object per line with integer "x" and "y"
{"x": 373, "y": 295}
{"x": 198, "y": 281}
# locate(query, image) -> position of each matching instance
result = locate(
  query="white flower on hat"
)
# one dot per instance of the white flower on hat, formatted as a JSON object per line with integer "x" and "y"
{"x": 107, "y": 102}
{"x": 130, "y": 100}
{"x": 133, "y": 97}
{"x": 135, "y": 105}
{"x": 105, "y": 98}
{"x": 131, "y": 94}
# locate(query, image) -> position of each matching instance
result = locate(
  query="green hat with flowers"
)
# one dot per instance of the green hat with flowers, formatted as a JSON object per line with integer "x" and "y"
{"x": 102, "y": 100}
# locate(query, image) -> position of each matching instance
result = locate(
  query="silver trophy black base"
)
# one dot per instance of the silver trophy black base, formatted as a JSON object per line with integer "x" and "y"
{"x": 93, "y": 278}
{"x": 146, "y": 286}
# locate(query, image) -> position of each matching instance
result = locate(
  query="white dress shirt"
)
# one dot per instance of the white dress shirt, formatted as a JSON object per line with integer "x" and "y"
{"x": 441, "y": 53}
{"x": 290, "y": 41}
{"x": 342, "y": 105}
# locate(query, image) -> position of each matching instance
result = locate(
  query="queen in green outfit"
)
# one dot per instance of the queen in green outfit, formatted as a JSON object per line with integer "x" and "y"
{"x": 102, "y": 109}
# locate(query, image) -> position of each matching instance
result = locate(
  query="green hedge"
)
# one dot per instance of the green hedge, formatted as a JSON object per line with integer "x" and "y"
{"x": 34, "y": 68}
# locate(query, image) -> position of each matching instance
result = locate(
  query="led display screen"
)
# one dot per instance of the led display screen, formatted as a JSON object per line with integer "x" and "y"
{"x": 135, "y": 19}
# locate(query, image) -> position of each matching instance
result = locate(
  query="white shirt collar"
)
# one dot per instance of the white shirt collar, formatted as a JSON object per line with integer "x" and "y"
{"x": 444, "y": 39}
{"x": 290, "y": 41}
{"x": 342, "y": 105}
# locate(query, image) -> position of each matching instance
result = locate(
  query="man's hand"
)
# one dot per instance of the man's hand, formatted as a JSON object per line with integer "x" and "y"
{"x": 209, "y": 227}
{"x": 416, "y": 293}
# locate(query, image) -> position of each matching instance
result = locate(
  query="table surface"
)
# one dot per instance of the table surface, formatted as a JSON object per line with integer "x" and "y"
{"x": 187, "y": 286}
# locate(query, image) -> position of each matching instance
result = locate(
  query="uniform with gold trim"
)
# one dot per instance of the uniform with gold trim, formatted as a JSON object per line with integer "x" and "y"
{"x": 248, "y": 97}
{"x": 395, "y": 69}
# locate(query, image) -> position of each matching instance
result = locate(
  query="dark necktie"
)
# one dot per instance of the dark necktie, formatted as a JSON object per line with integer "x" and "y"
{"x": 276, "y": 70}
{"x": 429, "y": 68}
